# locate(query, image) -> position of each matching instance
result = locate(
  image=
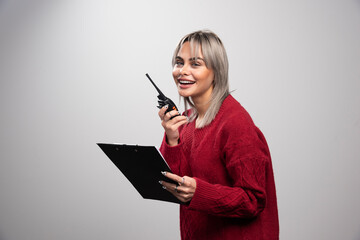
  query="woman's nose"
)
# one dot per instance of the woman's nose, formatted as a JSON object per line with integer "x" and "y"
{"x": 184, "y": 70}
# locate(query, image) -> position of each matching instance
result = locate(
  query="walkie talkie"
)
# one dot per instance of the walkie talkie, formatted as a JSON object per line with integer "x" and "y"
{"x": 163, "y": 100}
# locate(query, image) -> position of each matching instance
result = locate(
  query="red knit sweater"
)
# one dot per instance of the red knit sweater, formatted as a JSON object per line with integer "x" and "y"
{"x": 235, "y": 196}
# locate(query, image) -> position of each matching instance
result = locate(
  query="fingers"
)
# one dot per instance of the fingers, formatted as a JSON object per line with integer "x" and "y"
{"x": 173, "y": 177}
{"x": 172, "y": 124}
{"x": 182, "y": 193}
{"x": 166, "y": 116}
{"x": 162, "y": 112}
{"x": 169, "y": 115}
{"x": 170, "y": 186}
{"x": 185, "y": 188}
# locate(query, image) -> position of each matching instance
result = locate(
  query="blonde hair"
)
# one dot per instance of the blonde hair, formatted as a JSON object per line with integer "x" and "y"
{"x": 216, "y": 59}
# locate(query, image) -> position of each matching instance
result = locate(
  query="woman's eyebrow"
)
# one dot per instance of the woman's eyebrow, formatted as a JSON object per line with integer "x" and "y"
{"x": 190, "y": 59}
{"x": 196, "y": 58}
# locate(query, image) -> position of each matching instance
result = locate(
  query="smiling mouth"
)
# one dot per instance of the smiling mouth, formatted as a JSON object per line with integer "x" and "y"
{"x": 186, "y": 82}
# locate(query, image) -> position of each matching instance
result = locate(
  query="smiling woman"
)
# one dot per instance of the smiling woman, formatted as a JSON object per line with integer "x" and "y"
{"x": 202, "y": 56}
{"x": 219, "y": 158}
{"x": 193, "y": 78}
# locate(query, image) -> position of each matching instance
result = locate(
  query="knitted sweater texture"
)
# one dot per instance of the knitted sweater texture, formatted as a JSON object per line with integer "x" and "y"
{"x": 235, "y": 197}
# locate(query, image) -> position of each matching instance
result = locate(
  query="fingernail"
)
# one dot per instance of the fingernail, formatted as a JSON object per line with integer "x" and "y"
{"x": 163, "y": 173}
{"x": 160, "y": 182}
{"x": 163, "y": 187}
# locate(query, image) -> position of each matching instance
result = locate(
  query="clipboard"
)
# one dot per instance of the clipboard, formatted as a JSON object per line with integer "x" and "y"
{"x": 142, "y": 166}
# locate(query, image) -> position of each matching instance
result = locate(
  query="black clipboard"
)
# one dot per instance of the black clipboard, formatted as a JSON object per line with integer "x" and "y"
{"x": 142, "y": 166}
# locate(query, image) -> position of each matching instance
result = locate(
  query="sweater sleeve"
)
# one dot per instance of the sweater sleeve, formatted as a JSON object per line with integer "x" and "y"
{"x": 245, "y": 159}
{"x": 172, "y": 155}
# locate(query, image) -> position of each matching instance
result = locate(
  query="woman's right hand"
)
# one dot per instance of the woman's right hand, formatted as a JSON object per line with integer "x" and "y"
{"x": 171, "y": 126}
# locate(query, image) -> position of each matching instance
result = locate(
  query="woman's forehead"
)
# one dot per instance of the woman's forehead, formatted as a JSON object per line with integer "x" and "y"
{"x": 193, "y": 47}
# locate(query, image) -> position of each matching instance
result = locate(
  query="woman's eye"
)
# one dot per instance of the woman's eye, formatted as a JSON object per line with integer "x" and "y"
{"x": 196, "y": 64}
{"x": 178, "y": 63}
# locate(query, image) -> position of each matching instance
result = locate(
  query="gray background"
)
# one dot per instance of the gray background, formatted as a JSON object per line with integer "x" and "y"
{"x": 72, "y": 74}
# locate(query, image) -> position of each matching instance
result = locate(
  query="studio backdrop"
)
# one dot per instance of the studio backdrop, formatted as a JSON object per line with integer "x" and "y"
{"x": 72, "y": 73}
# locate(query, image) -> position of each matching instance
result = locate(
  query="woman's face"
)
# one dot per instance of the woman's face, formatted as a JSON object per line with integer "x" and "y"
{"x": 192, "y": 77}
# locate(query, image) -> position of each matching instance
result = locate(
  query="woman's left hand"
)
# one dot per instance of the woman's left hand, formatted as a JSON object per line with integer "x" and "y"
{"x": 184, "y": 190}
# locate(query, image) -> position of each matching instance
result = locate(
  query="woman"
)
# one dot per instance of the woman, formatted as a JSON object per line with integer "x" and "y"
{"x": 219, "y": 158}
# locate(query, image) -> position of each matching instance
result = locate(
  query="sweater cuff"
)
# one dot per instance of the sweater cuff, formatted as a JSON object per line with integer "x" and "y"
{"x": 166, "y": 149}
{"x": 203, "y": 195}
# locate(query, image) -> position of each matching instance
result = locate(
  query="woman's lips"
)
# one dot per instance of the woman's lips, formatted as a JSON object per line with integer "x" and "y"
{"x": 184, "y": 83}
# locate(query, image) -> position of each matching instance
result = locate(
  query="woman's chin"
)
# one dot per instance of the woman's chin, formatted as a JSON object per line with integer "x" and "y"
{"x": 184, "y": 93}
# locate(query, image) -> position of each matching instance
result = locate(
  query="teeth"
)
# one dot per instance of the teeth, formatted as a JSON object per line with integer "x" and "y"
{"x": 185, "y": 82}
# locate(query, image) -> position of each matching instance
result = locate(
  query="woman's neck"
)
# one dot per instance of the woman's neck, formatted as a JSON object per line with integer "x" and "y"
{"x": 201, "y": 109}
{"x": 202, "y": 103}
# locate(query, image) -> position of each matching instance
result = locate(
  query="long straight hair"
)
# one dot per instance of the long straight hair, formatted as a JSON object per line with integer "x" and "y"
{"x": 216, "y": 59}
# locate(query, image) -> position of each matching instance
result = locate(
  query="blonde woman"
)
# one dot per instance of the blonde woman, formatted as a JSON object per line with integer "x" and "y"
{"x": 219, "y": 158}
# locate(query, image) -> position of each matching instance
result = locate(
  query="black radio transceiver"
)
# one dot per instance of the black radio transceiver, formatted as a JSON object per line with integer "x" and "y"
{"x": 163, "y": 100}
